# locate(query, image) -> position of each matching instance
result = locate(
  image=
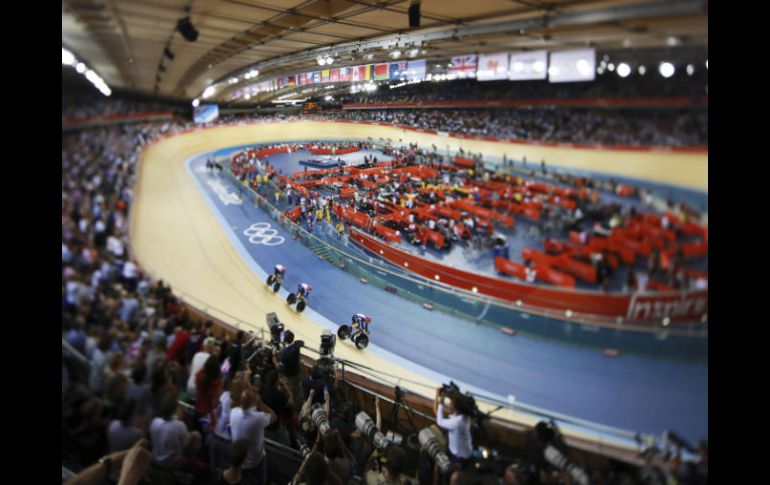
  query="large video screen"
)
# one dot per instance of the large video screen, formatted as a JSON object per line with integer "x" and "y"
{"x": 525, "y": 66}
{"x": 206, "y": 113}
{"x": 571, "y": 66}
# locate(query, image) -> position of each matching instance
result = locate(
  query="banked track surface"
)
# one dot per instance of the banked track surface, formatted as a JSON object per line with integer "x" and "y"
{"x": 176, "y": 237}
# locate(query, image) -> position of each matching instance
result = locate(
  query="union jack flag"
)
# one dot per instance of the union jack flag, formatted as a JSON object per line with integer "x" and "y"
{"x": 464, "y": 66}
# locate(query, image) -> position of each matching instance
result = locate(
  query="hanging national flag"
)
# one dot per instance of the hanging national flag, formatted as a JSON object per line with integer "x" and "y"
{"x": 316, "y": 77}
{"x": 365, "y": 72}
{"x": 492, "y": 67}
{"x": 325, "y": 76}
{"x": 416, "y": 69}
{"x": 334, "y": 75}
{"x": 355, "y": 74}
{"x": 397, "y": 70}
{"x": 464, "y": 66}
{"x": 292, "y": 81}
{"x": 381, "y": 71}
{"x": 345, "y": 74}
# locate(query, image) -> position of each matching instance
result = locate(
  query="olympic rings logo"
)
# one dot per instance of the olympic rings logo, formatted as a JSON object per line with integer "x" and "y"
{"x": 262, "y": 233}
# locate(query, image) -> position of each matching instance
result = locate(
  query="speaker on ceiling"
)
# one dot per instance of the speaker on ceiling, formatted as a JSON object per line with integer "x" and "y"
{"x": 185, "y": 27}
{"x": 414, "y": 13}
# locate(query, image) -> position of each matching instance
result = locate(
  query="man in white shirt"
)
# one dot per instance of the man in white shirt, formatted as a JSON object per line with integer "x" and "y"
{"x": 248, "y": 423}
{"x": 458, "y": 423}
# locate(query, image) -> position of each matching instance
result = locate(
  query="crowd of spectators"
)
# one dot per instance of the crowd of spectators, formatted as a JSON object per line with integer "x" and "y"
{"x": 574, "y": 125}
{"x": 471, "y": 90}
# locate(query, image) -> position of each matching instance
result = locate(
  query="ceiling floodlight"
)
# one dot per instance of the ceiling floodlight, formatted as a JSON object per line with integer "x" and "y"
{"x": 209, "y": 91}
{"x": 666, "y": 69}
{"x": 583, "y": 67}
{"x": 67, "y": 57}
{"x": 195, "y": 103}
{"x": 518, "y": 66}
{"x": 642, "y": 70}
{"x": 395, "y": 54}
{"x": 624, "y": 69}
{"x": 80, "y": 68}
{"x": 610, "y": 67}
{"x": 690, "y": 69}
{"x": 538, "y": 66}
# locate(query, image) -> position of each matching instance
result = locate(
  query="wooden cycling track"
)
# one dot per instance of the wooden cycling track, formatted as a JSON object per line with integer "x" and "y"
{"x": 175, "y": 236}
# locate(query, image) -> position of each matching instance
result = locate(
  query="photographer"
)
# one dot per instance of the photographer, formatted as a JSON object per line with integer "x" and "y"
{"x": 288, "y": 361}
{"x": 385, "y": 469}
{"x": 453, "y": 413}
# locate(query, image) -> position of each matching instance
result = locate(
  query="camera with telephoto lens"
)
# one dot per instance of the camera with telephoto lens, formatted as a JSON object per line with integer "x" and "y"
{"x": 554, "y": 454}
{"x": 430, "y": 444}
{"x": 368, "y": 428}
{"x": 303, "y": 446}
{"x": 320, "y": 419}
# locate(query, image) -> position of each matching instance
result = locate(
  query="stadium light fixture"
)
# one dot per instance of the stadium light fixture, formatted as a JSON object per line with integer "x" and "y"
{"x": 624, "y": 69}
{"x": 690, "y": 69}
{"x": 80, "y": 68}
{"x": 196, "y": 102}
{"x": 611, "y": 67}
{"x": 67, "y": 57}
{"x": 395, "y": 53}
{"x": 642, "y": 70}
{"x": 208, "y": 92}
{"x": 707, "y": 64}
{"x": 666, "y": 69}
{"x": 583, "y": 67}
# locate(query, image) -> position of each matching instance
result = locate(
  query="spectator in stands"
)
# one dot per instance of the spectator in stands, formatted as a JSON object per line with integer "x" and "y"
{"x": 188, "y": 468}
{"x": 98, "y": 363}
{"x": 288, "y": 361}
{"x": 249, "y": 423}
{"x": 338, "y": 458}
{"x": 389, "y": 472}
{"x": 131, "y": 465}
{"x": 176, "y": 349}
{"x": 276, "y": 395}
{"x": 198, "y": 360}
{"x": 122, "y": 434}
{"x": 315, "y": 472}
{"x": 344, "y": 421}
{"x": 138, "y": 391}
{"x": 232, "y": 475}
{"x": 208, "y": 383}
{"x": 168, "y": 434}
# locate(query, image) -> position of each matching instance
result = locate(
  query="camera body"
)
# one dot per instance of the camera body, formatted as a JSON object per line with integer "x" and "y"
{"x": 328, "y": 342}
{"x": 463, "y": 403}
